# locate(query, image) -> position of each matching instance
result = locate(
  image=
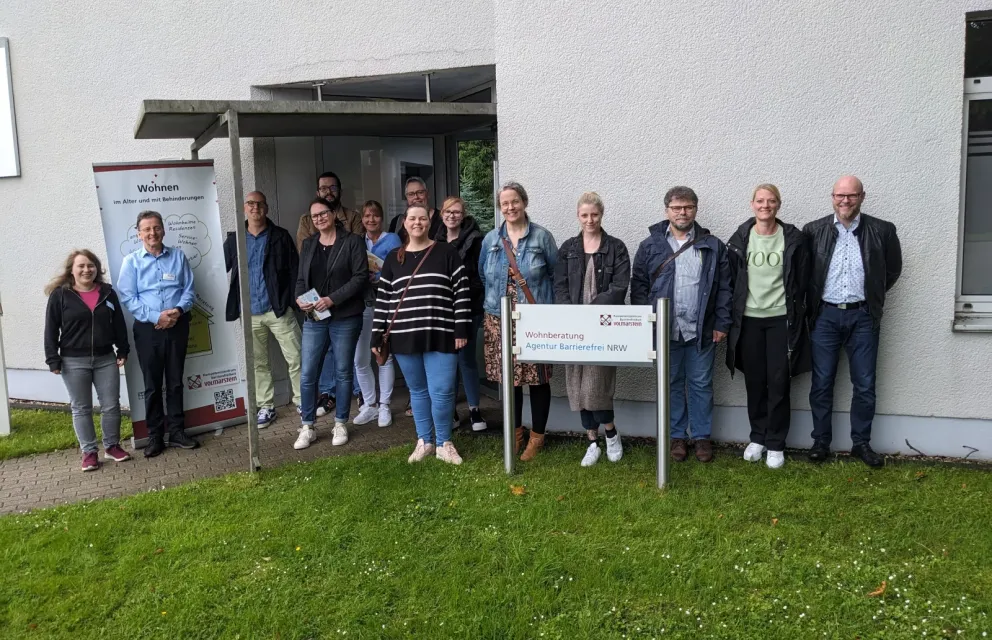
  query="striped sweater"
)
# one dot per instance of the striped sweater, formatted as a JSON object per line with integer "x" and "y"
{"x": 437, "y": 308}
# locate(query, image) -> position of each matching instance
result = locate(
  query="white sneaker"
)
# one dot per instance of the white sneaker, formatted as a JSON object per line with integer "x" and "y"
{"x": 754, "y": 451}
{"x": 385, "y": 415}
{"x": 422, "y": 450}
{"x": 448, "y": 453}
{"x": 307, "y": 437}
{"x": 339, "y": 435}
{"x": 366, "y": 414}
{"x": 614, "y": 450}
{"x": 592, "y": 455}
{"x": 775, "y": 459}
{"x": 478, "y": 422}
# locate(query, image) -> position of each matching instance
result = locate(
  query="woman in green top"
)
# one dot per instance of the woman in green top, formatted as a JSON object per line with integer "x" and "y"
{"x": 769, "y": 340}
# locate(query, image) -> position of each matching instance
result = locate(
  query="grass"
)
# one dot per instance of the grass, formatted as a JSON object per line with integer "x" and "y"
{"x": 368, "y": 546}
{"x": 34, "y": 431}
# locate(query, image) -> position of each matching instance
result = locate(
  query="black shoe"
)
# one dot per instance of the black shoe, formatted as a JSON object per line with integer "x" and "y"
{"x": 478, "y": 422}
{"x": 154, "y": 448}
{"x": 819, "y": 452}
{"x": 868, "y": 456}
{"x": 182, "y": 441}
{"x": 325, "y": 405}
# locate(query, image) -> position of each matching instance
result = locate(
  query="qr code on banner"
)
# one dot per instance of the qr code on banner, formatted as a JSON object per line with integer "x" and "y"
{"x": 224, "y": 400}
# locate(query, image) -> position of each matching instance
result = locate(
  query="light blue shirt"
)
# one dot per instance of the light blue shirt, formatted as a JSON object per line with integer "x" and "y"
{"x": 846, "y": 276}
{"x": 688, "y": 270}
{"x": 149, "y": 285}
{"x": 258, "y": 293}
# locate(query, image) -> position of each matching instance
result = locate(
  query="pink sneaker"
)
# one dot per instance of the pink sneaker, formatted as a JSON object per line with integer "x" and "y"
{"x": 116, "y": 453}
{"x": 91, "y": 462}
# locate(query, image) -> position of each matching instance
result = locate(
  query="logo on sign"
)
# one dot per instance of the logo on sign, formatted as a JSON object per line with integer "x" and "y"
{"x": 194, "y": 382}
{"x": 605, "y": 320}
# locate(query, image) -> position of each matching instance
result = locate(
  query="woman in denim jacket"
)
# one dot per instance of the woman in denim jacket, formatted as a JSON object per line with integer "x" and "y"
{"x": 536, "y": 253}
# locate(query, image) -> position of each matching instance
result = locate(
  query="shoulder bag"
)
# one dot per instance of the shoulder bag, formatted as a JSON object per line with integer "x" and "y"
{"x": 515, "y": 272}
{"x": 383, "y": 354}
{"x": 682, "y": 249}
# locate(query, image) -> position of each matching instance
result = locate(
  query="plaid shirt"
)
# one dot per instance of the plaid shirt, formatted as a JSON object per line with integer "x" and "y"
{"x": 688, "y": 269}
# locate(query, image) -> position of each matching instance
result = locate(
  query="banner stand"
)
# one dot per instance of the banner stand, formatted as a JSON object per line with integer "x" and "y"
{"x": 618, "y": 336}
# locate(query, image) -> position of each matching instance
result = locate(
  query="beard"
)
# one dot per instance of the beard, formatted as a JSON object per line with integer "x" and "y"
{"x": 334, "y": 199}
{"x": 683, "y": 226}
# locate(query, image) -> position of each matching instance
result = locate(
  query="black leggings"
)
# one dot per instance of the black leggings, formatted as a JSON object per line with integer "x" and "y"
{"x": 540, "y": 406}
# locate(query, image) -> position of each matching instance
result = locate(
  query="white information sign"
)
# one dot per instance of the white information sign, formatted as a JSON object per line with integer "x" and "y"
{"x": 10, "y": 164}
{"x": 185, "y": 193}
{"x": 585, "y": 334}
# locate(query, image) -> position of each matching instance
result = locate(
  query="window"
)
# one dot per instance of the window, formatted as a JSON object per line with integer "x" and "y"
{"x": 973, "y": 310}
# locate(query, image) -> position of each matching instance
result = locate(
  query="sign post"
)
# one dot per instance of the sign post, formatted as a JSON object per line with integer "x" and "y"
{"x": 607, "y": 335}
{"x": 4, "y": 399}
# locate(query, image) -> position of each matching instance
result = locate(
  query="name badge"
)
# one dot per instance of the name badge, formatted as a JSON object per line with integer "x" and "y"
{"x": 111, "y": 305}
{"x": 168, "y": 276}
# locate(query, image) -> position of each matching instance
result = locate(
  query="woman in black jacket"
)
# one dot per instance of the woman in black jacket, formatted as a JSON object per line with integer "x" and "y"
{"x": 769, "y": 340}
{"x": 330, "y": 289}
{"x": 462, "y": 232}
{"x": 84, "y": 323}
{"x": 593, "y": 268}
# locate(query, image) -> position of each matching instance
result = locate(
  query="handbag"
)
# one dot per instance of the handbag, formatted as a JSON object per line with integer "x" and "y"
{"x": 515, "y": 272}
{"x": 682, "y": 249}
{"x": 383, "y": 353}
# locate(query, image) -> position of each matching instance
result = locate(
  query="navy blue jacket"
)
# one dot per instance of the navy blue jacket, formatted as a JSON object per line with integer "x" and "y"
{"x": 715, "y": 293}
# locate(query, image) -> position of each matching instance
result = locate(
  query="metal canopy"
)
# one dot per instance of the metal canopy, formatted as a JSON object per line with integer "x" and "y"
{"x": 172, "y": 119}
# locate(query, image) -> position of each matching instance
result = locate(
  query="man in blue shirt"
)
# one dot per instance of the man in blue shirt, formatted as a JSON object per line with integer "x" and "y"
{"x": 156, "y": 286}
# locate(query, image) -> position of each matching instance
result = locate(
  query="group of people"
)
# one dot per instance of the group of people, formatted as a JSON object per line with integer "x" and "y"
{"x": 785, "y": 300}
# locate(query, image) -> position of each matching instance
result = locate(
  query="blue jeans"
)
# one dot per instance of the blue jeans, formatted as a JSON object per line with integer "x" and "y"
{"x": 854, "y": 331}
{"x": 690, "y": 373}
{"x": 469, "y": 366}
{"x": 328, "y": 373}
{"x": 342, "y": 334}
{"x": 80, "y": 375}
{"x": 432, "y": 378}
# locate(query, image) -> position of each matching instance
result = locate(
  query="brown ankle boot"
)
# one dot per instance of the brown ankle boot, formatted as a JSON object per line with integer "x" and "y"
{"x": 534, "y": 446}
{"x": 519, "y": 434}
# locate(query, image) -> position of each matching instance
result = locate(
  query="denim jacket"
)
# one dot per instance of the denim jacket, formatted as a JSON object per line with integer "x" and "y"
{"x": 537, "y": 254}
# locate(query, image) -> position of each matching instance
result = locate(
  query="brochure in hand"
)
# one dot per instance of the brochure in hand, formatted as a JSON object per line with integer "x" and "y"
{"x": 312, "y": 297}
{"x": 375, "y": 265}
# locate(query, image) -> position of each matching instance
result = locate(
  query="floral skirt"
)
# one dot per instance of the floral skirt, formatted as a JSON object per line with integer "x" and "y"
{"x": 523, "y": 373}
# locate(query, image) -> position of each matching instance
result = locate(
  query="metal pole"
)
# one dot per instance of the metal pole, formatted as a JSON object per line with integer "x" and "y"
{"x": 234, "y": 135}
{"x": 4, "y": 398}
{"x": 506, "y": 335}
{"x": 427, "y": 85}
{"x": 662, "y": 335}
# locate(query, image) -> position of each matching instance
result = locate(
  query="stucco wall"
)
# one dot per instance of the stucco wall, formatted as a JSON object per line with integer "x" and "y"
{"x": 80, "y": 71}
{"x": 633, "y": 97}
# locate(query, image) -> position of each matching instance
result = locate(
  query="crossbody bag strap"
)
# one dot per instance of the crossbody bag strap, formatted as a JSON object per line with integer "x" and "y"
{"x": 682, "y": 249}
{"x": 405, "y": 289}
{"x": 515, "y": 272}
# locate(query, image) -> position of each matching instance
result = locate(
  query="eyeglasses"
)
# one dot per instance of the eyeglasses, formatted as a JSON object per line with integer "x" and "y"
{"x": 840, "y": 197}
{"x": 320, "y": 214}
{"x": 255, "y": 203}
{"x": 416, "y": 194}
{"x": 452, "y": 213}
{"x": 689, "y": 208}
{"x": 328, "y": 189}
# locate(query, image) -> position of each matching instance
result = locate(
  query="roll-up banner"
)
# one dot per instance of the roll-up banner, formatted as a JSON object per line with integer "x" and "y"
{"x": 185, "y": 193}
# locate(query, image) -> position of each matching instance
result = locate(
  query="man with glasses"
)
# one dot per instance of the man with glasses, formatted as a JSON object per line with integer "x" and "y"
{"x": 329, "y": 188}
{"x": 273, "y": 263}
{"x": 417, "y": 195}
{"x": 856, "y": 260}
{"x": 681, "y": 261}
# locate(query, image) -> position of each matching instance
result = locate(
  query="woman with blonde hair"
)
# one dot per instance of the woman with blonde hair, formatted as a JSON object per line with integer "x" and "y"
{"x": 84, "y": 324}
{"x": 768, "y": 340}
{"x": 593, "y": 268}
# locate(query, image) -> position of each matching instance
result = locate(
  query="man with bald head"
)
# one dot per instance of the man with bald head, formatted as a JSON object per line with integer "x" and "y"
{"x": 856, "y": 260}
{"x": 273, "y": 264}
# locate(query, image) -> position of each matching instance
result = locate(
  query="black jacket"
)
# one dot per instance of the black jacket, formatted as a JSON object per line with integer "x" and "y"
{"x": 72, "y": 330}
{"x": 278, "y": 266}
{"x": 612, "y": 271}
{"x": 347, "y": 277}
{"x": 469, "y": 245}
{"x": 881, "y": 255}
{"x": 796, "y": 276}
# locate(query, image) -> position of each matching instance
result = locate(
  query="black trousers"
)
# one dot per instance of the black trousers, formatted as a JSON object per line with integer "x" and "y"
{"x": 162, "y": 352}
{"x": 764, "y": 351}
{"x": 540, "y": 406}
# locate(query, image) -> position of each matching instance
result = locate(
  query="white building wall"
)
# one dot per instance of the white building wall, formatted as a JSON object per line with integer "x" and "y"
{"x": 630, "y": 98}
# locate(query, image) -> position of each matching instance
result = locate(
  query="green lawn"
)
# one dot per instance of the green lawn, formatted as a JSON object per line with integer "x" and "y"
{"x": 370, "y": 547}
{"x": 33, "y": 431}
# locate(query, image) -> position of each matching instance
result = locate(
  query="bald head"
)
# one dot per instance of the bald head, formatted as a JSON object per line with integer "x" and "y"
{"x": 848, "y": 194}
{"x": 256, "y": 208}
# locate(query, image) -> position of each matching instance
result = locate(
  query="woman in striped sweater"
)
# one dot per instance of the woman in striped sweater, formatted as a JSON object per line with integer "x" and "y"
{"x": 432, "y": 324}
